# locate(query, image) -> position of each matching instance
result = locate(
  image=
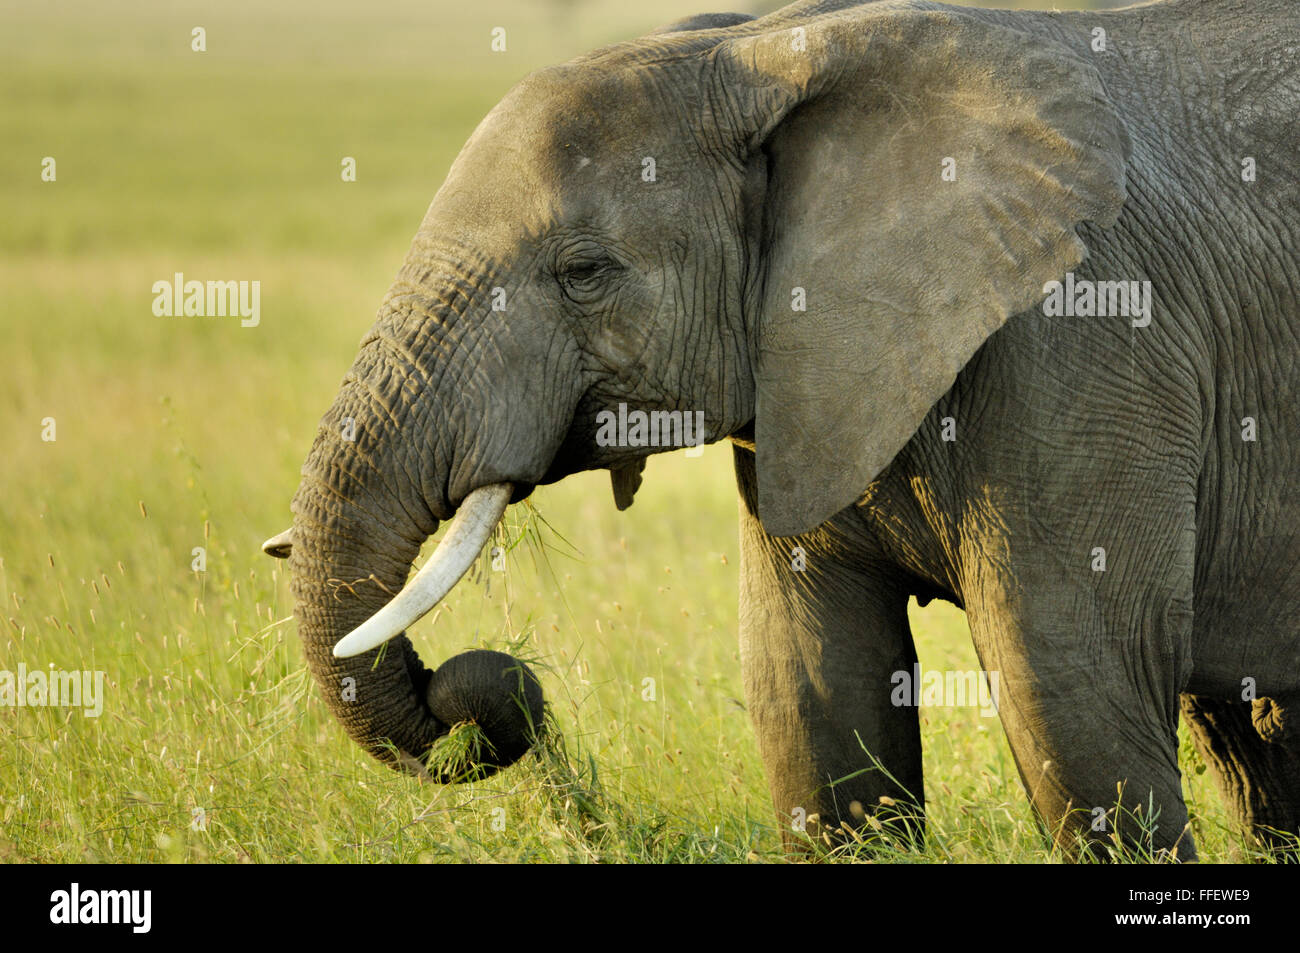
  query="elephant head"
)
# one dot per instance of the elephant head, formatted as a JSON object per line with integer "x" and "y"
{"x": 752, "y": 223}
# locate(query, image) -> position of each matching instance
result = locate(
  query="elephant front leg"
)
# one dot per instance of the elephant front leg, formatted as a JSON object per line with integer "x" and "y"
{"x": 821, "y": 637}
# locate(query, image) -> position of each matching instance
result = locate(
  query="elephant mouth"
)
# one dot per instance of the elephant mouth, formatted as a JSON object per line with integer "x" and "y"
{"x": 522, "y": 490}
{"x": 469, "y": 530}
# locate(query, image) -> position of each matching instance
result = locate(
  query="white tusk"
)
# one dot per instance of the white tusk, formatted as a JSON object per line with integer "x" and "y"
{"x": 279, "y": 545}
{"x": 460, "y": 546}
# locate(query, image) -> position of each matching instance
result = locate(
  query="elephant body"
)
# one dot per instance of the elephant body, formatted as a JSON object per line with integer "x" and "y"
{"x": 864, "y": 257}
{"x": 1172, "y": 446}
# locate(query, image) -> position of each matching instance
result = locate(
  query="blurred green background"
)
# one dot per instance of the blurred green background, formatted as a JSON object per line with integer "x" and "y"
{"x": 174, "y": 433}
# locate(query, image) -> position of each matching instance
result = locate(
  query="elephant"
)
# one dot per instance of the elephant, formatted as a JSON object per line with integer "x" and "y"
{"x": 994, "y": 307}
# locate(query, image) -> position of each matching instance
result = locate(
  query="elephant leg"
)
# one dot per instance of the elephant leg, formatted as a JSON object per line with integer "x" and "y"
{"x": 1259, "y": 780}
{"x": 821, "y": 635}
{"x": 1095, "y": 736}
{"x": 1088, "y": 623}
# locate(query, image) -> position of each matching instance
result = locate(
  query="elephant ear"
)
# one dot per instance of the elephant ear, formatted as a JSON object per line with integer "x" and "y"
{"x": 925, "y": 174}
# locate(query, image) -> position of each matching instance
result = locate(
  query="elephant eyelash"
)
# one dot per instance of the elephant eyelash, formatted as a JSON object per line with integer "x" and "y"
{"x": 585, "y": 272}
{"x": 581, "y": 280}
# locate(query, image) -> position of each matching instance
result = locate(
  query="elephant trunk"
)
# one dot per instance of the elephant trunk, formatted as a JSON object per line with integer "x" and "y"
{"x": 353, "y": 545}
{"x": 386, "y": 467}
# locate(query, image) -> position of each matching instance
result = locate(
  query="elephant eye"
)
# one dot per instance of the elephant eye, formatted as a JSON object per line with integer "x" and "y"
{"x": 582, "y": 279}
{"x": 583, "y": 272}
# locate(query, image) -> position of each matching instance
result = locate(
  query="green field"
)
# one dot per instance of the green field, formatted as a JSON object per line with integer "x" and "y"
{"x": 176, "y": 433}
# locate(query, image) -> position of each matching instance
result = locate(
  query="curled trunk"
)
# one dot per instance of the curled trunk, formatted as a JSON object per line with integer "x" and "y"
{"x": 372, "y": 484}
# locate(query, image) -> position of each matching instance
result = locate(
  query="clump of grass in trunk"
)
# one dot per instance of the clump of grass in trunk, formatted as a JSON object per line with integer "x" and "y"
{"x": 459, "y": 755}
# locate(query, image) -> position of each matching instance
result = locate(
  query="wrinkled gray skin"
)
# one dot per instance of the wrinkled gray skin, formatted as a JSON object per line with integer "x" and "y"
{"x": 821, "y": 169}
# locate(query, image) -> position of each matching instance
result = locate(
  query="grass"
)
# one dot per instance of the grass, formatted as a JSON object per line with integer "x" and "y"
{"x": 180, "y": 433}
